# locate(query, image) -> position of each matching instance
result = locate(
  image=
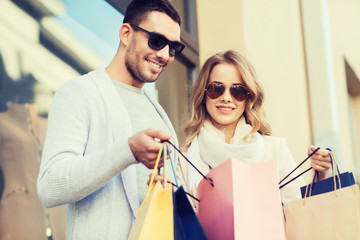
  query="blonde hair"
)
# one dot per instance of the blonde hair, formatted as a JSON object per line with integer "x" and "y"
{"x": 253, "y": 113}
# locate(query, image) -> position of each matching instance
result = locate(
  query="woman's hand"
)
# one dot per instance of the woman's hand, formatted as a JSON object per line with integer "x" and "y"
{"x": 156, "y": 179}
{"x": 320, "y": 161}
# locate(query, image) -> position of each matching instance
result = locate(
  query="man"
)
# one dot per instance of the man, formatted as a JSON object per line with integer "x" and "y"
{"x": 104, "y": 129}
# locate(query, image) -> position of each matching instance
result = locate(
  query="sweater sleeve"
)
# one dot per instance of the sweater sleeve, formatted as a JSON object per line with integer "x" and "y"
{"x": 287, "y": 163}
{"x": 70, "y": 170}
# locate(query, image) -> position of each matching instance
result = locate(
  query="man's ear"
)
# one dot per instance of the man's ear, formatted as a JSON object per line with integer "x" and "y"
{"x": 125, "y": 33}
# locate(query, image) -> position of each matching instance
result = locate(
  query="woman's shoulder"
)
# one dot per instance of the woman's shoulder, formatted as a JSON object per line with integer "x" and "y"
{"x": 272, "y": 139}
{"x": 273, "y": 143}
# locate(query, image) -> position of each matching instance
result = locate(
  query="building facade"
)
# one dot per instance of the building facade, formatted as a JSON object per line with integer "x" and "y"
{"x": 306, "y": 55}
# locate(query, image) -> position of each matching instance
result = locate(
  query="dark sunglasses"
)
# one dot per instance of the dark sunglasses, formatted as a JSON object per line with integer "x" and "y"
{"x": 216, "y": 89}
{"x": 158, "y": 42}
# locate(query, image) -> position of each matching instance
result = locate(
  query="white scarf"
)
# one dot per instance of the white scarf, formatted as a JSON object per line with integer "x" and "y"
{"x": 209, "y": 149}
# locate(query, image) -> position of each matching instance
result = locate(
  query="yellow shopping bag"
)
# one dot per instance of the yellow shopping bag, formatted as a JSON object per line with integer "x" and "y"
{"x": 155, "y": 218}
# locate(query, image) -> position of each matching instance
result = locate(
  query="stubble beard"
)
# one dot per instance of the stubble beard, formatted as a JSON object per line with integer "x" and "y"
{"x": 136, "y": 73}
{"x": 132, "y": 63}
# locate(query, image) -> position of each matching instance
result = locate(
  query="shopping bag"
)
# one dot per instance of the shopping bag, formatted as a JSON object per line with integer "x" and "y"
{"x": 186, "y": 224}
{"x": 155, "y": 218}
{"x": 327, "y": 185}
{"x": 243, "y": 203}
{"x": 331, "y": 215}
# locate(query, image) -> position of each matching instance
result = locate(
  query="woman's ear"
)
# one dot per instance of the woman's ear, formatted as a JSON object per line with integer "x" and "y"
{"x": 125, "y": 34}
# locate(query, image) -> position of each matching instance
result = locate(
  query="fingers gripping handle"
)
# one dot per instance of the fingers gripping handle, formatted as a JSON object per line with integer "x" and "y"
{"x": 152, "y": 183}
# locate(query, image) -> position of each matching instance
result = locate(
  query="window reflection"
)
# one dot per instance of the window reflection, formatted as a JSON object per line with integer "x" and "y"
{"x": 38, "y": 53}
{"x": 22, "y": 133}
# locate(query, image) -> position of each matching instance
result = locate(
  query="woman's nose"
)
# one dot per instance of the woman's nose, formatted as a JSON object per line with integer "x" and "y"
{"x": 226, "y": 96}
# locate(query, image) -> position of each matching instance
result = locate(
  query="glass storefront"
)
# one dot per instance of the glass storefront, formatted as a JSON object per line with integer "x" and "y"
{"x": 41, "y": 47}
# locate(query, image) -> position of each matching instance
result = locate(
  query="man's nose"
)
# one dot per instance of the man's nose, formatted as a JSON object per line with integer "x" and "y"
{"x": 163, "y": 53}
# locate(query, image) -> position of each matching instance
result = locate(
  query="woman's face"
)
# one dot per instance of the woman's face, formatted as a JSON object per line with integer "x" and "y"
{"x": 225, "y": 111}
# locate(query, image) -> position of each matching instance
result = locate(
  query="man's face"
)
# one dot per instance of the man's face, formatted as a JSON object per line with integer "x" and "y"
{"x": 143, "y": 63}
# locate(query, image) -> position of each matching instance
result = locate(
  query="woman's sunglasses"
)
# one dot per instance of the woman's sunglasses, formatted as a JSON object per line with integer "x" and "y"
{"x": 158, "y": 42}
{"x": 216, "y": 89}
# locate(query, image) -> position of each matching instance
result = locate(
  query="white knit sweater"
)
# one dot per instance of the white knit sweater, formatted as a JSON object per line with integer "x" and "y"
{"x": 87, "y": 163}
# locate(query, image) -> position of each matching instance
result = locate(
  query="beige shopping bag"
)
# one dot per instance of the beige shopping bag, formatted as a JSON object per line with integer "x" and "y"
{"x": 332, "y": 215}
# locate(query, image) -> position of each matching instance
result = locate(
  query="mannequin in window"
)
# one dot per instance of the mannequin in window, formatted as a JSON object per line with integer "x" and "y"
{"x": 22, "y": 131}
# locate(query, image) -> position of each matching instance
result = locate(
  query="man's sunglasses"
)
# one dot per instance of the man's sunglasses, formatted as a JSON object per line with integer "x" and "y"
{"x": 216, "y": 89}
{"x": 158, "y": 42}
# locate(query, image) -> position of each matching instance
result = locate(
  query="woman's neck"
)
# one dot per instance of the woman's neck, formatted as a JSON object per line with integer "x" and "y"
{"x": 229, "y": 134}
{"x": 229, "y": 130}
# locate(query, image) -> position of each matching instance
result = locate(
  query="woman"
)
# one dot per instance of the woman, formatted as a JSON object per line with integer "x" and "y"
{"x": 227, "y": 120}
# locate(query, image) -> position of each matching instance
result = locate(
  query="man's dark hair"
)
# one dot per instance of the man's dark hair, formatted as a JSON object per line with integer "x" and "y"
{"x": 137, "y": 10}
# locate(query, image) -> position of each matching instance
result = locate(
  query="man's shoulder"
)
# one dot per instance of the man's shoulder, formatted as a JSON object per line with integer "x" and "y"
{"x": 81, "y": 83}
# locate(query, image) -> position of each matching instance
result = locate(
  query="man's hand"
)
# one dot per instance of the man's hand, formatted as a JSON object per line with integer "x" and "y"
{"x": 158, "y": 178}
{"x": 145, "y": 146}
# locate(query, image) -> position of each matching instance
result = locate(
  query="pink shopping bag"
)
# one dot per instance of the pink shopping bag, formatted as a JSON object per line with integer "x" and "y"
{"x": 244, "y": 202}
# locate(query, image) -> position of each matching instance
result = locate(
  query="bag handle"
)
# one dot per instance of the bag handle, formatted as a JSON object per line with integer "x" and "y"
{"x": 316, "y": 175}
{"x": 192, "y": 196}
{"x": 336, "y": 174}
{"x": 173, "y": 169}
{"x": 211, "y": 182}
{"x": 172, "y": 166}
{"x": 297, "y": 168}
{"x": 152, "y": 183}
{"x": 174, "y": 172}
{"x": 331, "y": 158}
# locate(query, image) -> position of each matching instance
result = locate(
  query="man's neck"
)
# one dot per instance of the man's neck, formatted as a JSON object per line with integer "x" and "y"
{"x": 118, "y": 72}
